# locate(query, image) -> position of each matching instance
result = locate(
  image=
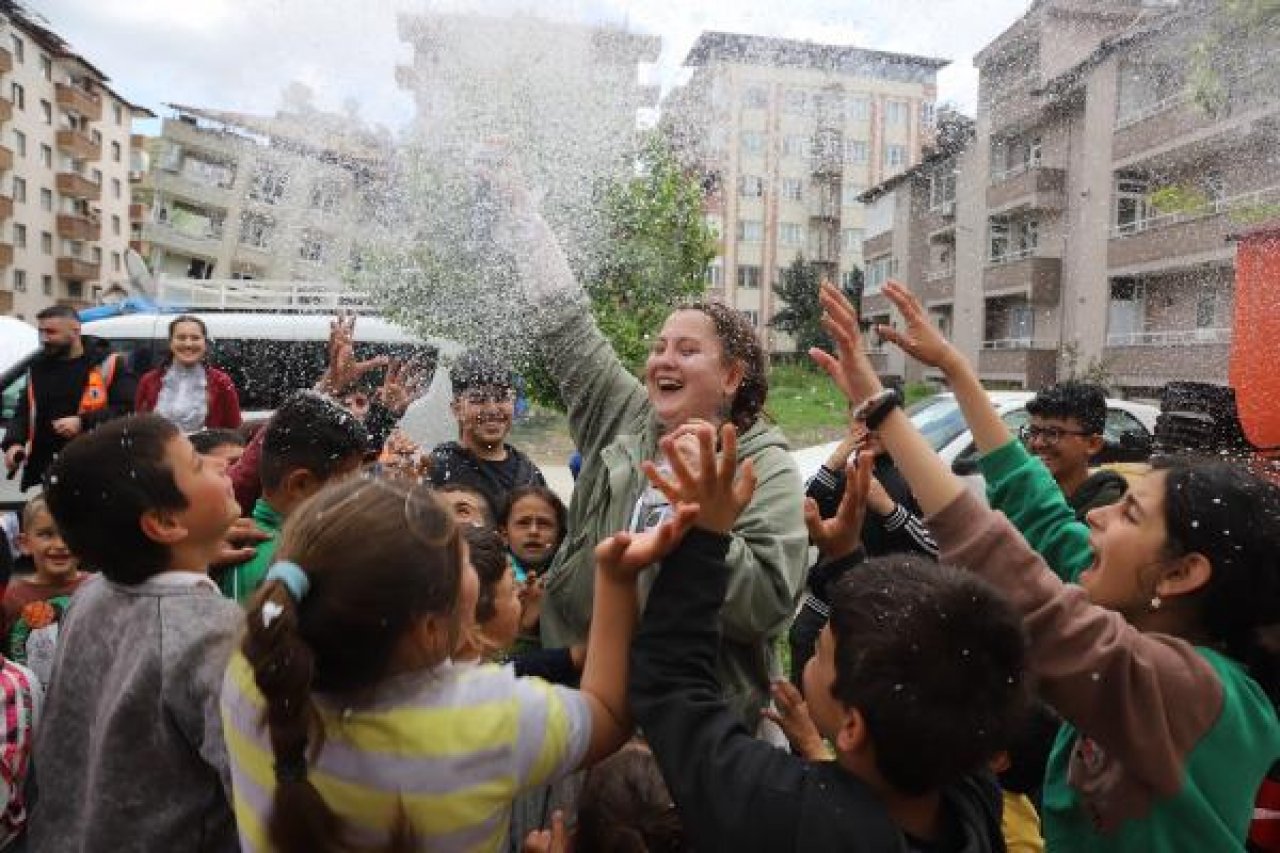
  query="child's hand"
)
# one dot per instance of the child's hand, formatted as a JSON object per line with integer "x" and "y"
{"x": 238, "y": 545}
{"x": 531, "y": 602}
{"x": 553, "y": 840}
{"x": 711, "y": 483}
{"x": 921, "y": 340}
{"x": 623, "y": 555}
{"x": 849, "y": 368}
{"x": 792, "y": 716}
{"x": 839, "y": 535}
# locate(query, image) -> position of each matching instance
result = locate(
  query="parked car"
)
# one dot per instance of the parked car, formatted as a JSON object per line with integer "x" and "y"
{"x": 1127, "y": 437}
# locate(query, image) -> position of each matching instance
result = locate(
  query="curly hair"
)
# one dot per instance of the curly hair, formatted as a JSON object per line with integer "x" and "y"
{"x": 741, "y": 344}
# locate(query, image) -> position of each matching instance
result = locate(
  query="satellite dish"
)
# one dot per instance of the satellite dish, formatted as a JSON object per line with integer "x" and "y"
{"x": 139, "y": 275}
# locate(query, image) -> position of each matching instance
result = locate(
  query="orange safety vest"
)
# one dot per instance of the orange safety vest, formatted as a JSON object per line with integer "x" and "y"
{"x": 94, "y": 398}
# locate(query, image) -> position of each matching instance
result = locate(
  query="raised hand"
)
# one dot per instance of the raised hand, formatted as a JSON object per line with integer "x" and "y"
{"x": 623, "y": 555}
{"x": 402, "y": 385}
{"x": 841, "y": 534}
{"x": 849, "y": 368}
{"x": 791, "y": 713}
{"x": 343, "y": 370}
{"x": 716, "y": 483}
{"x": 920, "y": 339}
{"x": 553, "y": 840}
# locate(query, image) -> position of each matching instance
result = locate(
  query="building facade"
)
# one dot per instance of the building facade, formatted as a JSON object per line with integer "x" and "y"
{"x": 65, "y": 158}
{"x": 1094, "y": 208}
{"x": 788, "y": 134}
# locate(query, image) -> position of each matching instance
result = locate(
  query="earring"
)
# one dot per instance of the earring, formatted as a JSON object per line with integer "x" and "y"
{"x": 1155, "y": 603}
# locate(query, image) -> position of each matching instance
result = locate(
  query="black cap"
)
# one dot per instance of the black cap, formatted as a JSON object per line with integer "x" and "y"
{"x": 474, "y": 369}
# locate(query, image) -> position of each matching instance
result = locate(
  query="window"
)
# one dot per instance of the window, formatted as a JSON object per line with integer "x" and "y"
{"x": 116, "y": 188}
{"x": 752, "y": 315}
{"x": 19, "y": 189}
{"x": 20, "y": 143}
{"x": 750, "y": 231}
{"x": 18, "y": 95}
{"x": 715, "y": 226}
{"x": 118, "y": 114}
{"x": 326, "y": 195}
{"x": 895, "y": 156}
{"x": 880, "y": 271}
{"x": 855, "y": 151}
{"x": 312, "y": 247}
{"x": 793, "y": 189}
{"x": 46, "y": 199}
{"x": 791, "y": 234}
{"x": 1035, "y": 152}
{"x": 752, "y": 142}
{"x": 750, "y": 186}
{"x": 857, "y": 107}
{"x": 997, "y": 239}
{"x": 95, "y": 135}
{"x": 19, "y": 281}
{"x": 850, "y": 191}
{"x": 75, "y": 290}
{"x": 714, "y": 275}
{"x": 97, "y": 177}
{"x": 46, "y": 67}
{"x": 115, "y": 262}
{"x": 794, "y": 101}
{"x": 748, "y": 277}
{"x": 46, "y": 112}
{"x": 942, "y": 189}
{"x": 1209, "y": 307}
{"x": 46, "y": 242}
{"x": 1027, "y": 237}
{"x": 256, "y": 230}
{"x": 795, "y": 145}
{"x": 1022, "y": 322}
{"x": 755, "y": 98}
{"x": 46, "y": 285}
{"x": 96, "y": 254}
{"x": 269, "y": 184}
{"x": 928, "y": 113}
{"x": 115, "y": 152}
{"x": 849, "y": 280}
{"x": 896, "y": 112}
{"x": 1131, "y": 212}
{"x": 46, "y": 156}
{"x": 19, "y": 48}
{"x": 851, "y": 240}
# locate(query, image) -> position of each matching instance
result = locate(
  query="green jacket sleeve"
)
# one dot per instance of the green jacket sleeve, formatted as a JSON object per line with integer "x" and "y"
{"x": 600, "y": 394}
{"x": 1021, "y": 487}
{"x": 767, "y": 553}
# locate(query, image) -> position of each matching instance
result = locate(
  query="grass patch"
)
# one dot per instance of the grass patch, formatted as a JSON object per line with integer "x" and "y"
{"x": 805, "y": 404}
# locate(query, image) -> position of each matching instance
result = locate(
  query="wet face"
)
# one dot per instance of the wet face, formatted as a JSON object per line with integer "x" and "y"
{"x": 1062, "y": 445}
{"x": 58, "y": 335}
{"x": 467, "y": 508}
{"x": 203, "y": 481}
{"x": 1128, "y": 540}
{"x": 818, "y": 681}
{"x": 686, "y": 374}
{"x": 228, "y": 453}
{"x": 502, "y": 628}
{"x": 187, "y": 344}
{"x": 532, "y": 531}
{"x": 484, "y": 416}
{"x": 42, "y": 542}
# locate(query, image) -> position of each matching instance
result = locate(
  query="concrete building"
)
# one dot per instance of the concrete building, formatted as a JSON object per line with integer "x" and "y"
{"x": 65, "y": 158}
{"x": 789, "y": 134}
{"x": 235, "y": 196}
{"x": 1095, "y": 204}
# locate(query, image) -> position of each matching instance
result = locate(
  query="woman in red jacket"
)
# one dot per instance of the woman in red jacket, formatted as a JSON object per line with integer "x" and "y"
{"x": 185, "y": 389}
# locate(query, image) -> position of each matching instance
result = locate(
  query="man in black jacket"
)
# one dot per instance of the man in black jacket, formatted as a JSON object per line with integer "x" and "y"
{"x": 911, "y": 731}
{"x": 484, "y": 400}
{"x": 73, "y": 385}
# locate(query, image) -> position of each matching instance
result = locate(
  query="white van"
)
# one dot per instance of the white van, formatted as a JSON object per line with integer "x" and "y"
{"x": 268, "y": 356}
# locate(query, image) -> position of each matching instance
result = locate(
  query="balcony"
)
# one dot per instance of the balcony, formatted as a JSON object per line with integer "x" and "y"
{"x": 939, "y": 285}
{"x": 1031, "y": 363}
{"x": 1027, "y": 187}
{"x": 6, "y": 61}
{"x": 181, "y": 187}
{"x": 1152, "y": 358}
{"x": 78, "y": 186}
{"x": 875, "y": 304}
{"x": 1012, "y": 106}
{"x": 6, "y": 208}
{"x": 77, "y": 100}
{"x": 6, "y": 159}
{"x": 222, "y": 143}
{"x": 1022, "y": 272}
{"x": 6, "y": 254}
{"x": 204, "y": 244}
{"x": 6, "y": 109}
{"x": 881, "y": 244}
{"x": 137, "y": 212}
{"x": 939, "y": 218}
{"x": 1180, "y": 239}
{"x": 79, "y": 146}
{"x": 74, "y": 227}
{"x": 78, "y": 269}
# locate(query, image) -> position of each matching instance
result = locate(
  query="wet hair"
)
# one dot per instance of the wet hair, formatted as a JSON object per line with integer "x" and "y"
{"x": 101, "y": 484}
{"x": 312, "y": 432}
{"x": 1084, "y": 402}
{"x": 33, "y": 507}
{"x": 58, "y": 312}
{"x": 1231, "y": 517}
{"x": 535, "y": 491}
{"x": 935, "y": 660}
{"x": 625, "y": 807}
{"x": 489, "y": 558}
{"x": 207, "y": 440}
{"x": 463, "y": 489}
{"x": 476, "y": 369}
{"x": 380, "y": 556}
{"x": 740, "y": 343}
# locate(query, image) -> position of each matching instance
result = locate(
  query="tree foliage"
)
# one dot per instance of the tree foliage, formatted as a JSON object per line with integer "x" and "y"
{"x": 801, "y": 314}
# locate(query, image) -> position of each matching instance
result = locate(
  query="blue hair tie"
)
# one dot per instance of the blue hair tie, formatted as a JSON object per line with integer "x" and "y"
{"x": 292, "y": 576}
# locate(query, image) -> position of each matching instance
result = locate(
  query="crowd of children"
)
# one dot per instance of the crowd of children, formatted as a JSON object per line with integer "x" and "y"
{"x": 365, "y": 664}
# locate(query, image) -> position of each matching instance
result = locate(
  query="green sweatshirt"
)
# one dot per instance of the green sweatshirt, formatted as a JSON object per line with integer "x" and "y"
{"x": 241, "y": 581}
{"x": 1166, "y": 743}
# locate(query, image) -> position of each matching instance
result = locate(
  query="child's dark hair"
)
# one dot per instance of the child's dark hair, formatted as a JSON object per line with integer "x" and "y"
{"x": 477, "y": 369}
{"x": 537, "y": 491}
{"x": 935, "y": 660}
{"x": 1082, "y": 401}
{"x": 309, "y": 431}
{"x": 489, "y": 558}
{"x": 209, "y": 439}
{"x": 1231, "y": 517}
{"x": 380, "y": 555}
{"x": 625, "y": 807}
{"x": 456, "y": 488}
{"x": 101, "y": 484}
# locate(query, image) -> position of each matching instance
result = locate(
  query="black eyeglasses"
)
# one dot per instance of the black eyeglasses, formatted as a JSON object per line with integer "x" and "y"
{"x": 1049, "y": 435}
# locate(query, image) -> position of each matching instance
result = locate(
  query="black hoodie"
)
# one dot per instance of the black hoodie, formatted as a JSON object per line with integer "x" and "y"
{"x": 1101, "y": 489}
{"x": 453, "y": 463}
{"x": 59, "y": 384}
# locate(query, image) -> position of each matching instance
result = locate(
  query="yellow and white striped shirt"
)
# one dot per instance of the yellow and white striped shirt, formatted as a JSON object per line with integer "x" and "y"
{"x": 450, "y": 747}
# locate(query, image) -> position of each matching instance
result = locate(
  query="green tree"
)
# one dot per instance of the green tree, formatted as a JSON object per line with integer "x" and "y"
{"x": 801, "y": 314}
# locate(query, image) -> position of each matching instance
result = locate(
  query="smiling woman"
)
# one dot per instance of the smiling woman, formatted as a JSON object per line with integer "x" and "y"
{"x": 187, "y": 390}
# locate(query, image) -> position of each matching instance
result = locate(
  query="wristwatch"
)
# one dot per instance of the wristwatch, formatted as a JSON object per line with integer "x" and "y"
{"x": 877, "y": 407}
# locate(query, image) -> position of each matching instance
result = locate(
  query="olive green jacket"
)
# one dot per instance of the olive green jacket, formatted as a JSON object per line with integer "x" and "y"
{"x": 614, "y": 428}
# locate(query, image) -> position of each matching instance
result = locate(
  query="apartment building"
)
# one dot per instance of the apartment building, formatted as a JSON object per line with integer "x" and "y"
{"x": 788, "y": 134}
{"x": 64, "y": 171}
{"x": 236, "y": 196}
{"x": 1095, "y": 204}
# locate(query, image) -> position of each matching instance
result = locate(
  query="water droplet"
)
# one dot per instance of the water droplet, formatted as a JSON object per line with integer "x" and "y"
{"x": 1194, "y": 524}
{"x": 1096, "y": 676}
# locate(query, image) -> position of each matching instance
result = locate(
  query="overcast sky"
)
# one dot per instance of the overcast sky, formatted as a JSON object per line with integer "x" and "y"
{"x": 240, "y": 54}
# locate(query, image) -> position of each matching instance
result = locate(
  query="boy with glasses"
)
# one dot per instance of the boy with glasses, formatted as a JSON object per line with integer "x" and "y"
{"x": 484, "y": 403}
{"x": 1065, "y": 432}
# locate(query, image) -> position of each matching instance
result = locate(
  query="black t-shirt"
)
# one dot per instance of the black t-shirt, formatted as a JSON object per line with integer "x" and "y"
{"x": 453, "y": 463}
